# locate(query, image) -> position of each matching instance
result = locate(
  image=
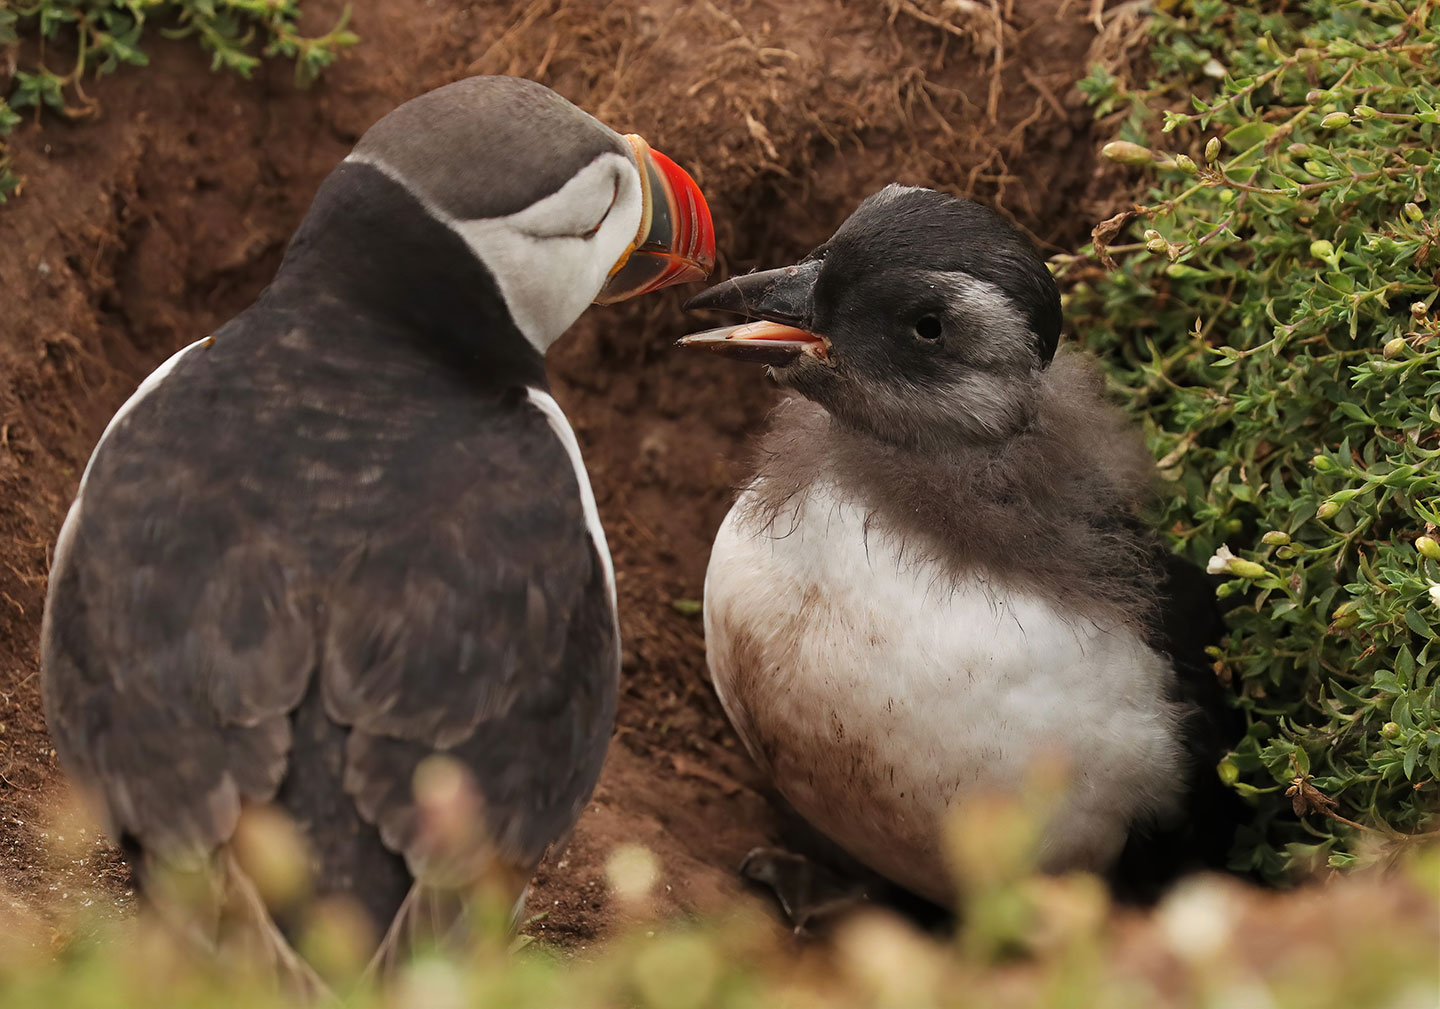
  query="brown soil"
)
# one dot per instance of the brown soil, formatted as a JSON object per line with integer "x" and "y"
{"x": 153, "y": 221}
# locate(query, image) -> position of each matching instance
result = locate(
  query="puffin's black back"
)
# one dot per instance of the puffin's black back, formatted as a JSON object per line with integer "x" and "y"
{"x": 336, "y": 540}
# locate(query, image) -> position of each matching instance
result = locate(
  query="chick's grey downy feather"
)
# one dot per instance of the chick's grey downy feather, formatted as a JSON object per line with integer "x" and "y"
{"x": 1044, "y": 510}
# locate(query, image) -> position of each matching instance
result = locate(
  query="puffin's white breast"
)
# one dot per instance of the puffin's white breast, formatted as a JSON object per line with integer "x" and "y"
{"x": 878, "y": 691}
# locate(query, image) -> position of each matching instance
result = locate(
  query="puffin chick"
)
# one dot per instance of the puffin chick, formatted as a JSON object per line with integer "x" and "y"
{"x": 937, "y": 575}
{"x": 350, "y": 533}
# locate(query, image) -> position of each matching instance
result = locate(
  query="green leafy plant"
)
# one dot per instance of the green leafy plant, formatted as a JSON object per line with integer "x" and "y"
{"x": 1271, "y": 310}
{"x": 103, "y": 35}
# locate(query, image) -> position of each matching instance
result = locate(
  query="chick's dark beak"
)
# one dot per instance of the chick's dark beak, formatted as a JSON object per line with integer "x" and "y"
{"x": 778, "y": 301}
{"x": 676, "y": 243}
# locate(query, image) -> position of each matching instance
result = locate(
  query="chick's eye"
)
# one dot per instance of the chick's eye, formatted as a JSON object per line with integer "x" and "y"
{"x": 929, "y": 328}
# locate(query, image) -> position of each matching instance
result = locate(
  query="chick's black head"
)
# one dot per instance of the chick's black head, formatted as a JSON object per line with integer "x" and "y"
{"x": 931, "y": 318}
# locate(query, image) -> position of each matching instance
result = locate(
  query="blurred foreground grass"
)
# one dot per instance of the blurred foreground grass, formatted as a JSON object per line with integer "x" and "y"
{"x": 1363, "y": 941}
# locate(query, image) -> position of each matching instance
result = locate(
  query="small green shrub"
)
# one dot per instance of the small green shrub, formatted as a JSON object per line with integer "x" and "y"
{"x": 1273, "y": 314}
{"x": 106, "y": 34}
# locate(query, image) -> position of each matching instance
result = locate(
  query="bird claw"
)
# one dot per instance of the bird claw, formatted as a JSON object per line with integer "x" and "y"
{"x": 807, "y": 891}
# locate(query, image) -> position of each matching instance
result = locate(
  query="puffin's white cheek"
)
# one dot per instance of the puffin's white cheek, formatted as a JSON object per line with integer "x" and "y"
{"x": 546, "y": 269}
{"x": 546, "y": 282}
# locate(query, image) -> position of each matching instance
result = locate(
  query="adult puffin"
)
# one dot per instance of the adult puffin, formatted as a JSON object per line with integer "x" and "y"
{"x": 938, "y": 573}
{"x": 352, "y": 530}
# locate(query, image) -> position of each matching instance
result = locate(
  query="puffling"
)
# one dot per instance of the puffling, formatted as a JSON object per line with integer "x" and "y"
{"x": 351, "y": 530}
{"x": 938, "y": 573}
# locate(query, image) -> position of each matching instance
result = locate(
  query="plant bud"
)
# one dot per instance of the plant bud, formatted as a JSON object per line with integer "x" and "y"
{"x": 273, "y": 854}
{"x": 1335, "y": 121}
{"x": 1228, "y": 772}
{"x": 1322, "y": 249}
{"x": 1390, "y": 730}
{"x": 1367, "y": 112}
{"x": 1151, "y": 234}
{"x": 1322, "y": 464}
{"x": 1300, "y": 150}
{"x": 1157, "y": 245}
{"x": 1125, "y": 153}
{"x": 1185, "y": 164}
{"x": 632, "y": 871}
{"x": 1417, "y": 310}
{"x": 677, "y": 971}
{"x": 1327, "y": 510}
{"x": 1307, "y": 55}
{"x": 1394, "y": 348}
{"x": 1247, "y": 569}
{"x": 1428, "y": 547}
{"x": 1212, "y": 149}
{"x": 1413, "y": 211}
{"x": 1275, "y": 538}
{"x": 1316, "y": 97}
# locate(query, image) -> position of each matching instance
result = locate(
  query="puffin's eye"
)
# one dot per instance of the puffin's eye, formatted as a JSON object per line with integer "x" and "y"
{"x": 578, "y": 213}
{"x": 928, "y": 328}
{"x": 614, "y": 196}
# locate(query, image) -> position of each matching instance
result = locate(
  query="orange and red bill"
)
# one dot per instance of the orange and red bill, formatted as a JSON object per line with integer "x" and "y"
{"x": 676, "y": 240}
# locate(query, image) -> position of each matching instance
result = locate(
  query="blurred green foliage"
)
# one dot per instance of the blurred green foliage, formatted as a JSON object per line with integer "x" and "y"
{"x": 1025, "y": 942}
{"x": 1271, "y": 310}
{"x": 99, "y": 36}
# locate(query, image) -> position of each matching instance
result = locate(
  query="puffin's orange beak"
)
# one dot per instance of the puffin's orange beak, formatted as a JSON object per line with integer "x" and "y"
{"x": 676, "y": 241}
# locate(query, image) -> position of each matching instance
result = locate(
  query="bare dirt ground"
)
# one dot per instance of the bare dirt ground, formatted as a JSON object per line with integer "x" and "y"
{"x": 149, "y": 223}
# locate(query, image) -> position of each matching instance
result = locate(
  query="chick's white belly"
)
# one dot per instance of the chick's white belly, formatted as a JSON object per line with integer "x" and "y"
{"x": 878, "y": 692}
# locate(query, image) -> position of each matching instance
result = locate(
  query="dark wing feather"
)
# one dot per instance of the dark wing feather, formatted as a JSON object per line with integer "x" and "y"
{"x": 1188, "y": 622}
{"x": 1185, "y": 623}
{"x": 175, "y": 644}
{"x": 483, "y": 630}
